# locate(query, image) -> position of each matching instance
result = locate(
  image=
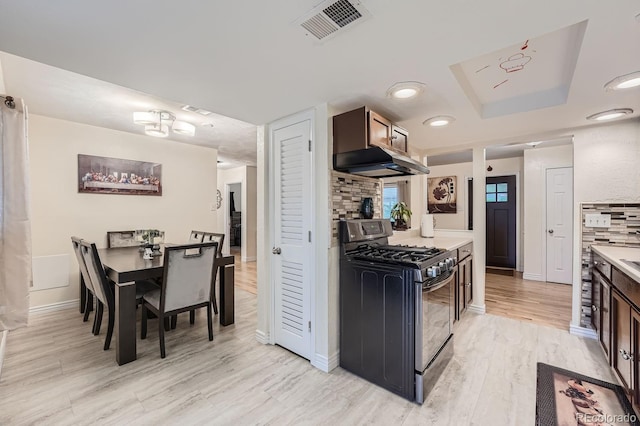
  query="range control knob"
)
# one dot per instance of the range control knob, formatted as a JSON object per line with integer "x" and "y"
{"x": 450, "y": 263}
{"x": 443, "y": 266}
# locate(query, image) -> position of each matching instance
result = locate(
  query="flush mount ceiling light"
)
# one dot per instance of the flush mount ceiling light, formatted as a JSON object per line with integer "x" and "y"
{"x": 438, "y": 120}
{"x": 610, "y": 114}
{"x": 405, "y": 90}
{"x": 158, "y": 122}
{"x": 626, "y": 81}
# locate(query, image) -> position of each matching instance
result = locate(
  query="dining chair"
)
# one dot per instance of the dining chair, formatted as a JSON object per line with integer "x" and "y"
{"x": 186, "y": 286}
{"x": 84, "y": 273}
{"x": 196, "y": 236}
{"x": 101, "y": 289}
{"x": 219, "y": 238}
{"x": 207, "y": 238}
{"x": 122, "y": 239}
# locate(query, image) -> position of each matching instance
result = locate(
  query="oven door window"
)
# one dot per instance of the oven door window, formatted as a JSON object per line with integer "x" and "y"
{"x": 437, "y": 318}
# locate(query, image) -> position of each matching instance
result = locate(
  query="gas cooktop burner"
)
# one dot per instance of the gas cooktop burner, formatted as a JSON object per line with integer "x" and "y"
{"x": 396, "y": 254}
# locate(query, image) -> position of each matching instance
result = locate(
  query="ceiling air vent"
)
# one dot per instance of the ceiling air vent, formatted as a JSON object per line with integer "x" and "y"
{"x": 329, "y": 17}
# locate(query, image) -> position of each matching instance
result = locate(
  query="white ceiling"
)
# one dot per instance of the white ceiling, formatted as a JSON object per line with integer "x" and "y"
{"x": 496, "y": 152}
{"x": 248, "y": 60}
{"x": 70, "y": 96}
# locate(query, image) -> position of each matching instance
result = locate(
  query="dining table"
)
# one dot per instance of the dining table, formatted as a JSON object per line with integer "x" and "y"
{"x": 126, "y": 265}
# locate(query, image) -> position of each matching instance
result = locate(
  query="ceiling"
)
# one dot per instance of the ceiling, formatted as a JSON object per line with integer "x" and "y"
{"x": 253, "y": 62}
{"x": 496, "y": 152}
{"x": 62, "y": 94}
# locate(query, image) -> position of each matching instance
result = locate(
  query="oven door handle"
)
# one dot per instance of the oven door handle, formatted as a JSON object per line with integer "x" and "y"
{"x": 440, "y": 284}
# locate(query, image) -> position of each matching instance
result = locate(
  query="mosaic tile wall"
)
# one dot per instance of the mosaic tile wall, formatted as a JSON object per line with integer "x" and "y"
{"x": 625, "y": 221}
{"x": 347, "y": 192}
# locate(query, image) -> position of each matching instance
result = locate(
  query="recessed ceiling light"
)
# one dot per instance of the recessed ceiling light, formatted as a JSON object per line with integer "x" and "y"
{"x": 405, "y": 90}
{"x": 610, "y": 114}
{"x": 534, "y": 144}
{"x": 626, "y": 81}
{"x": 439, "y": 120}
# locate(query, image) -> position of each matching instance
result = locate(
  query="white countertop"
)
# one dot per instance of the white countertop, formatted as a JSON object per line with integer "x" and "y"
{"x": 443, "y": 242}
{"x": 615, "y": 254}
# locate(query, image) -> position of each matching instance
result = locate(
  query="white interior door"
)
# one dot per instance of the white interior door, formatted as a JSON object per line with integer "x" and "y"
{"x": 559, "y": 225}
{"x": 292, "y": 235}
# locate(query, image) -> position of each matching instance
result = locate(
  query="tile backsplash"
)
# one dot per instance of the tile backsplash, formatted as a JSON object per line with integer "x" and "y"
{"x": 347, "y": 193}
{"x": 625, "y": 221}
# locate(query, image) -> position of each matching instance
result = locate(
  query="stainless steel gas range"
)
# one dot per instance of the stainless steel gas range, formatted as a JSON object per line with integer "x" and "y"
{"x": 396, "y": 309}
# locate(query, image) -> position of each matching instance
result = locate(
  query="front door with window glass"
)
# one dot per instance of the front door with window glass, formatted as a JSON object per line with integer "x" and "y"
{"x": 501, "y": 221}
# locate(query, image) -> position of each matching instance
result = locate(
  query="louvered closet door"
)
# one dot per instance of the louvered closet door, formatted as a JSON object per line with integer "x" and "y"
{"x": 292, "y": 181}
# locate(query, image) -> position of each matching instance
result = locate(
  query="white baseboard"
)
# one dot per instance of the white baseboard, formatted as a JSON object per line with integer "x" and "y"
{"x": 262, "y": 337}
{"x": 477, "y": 309}
{"x": 3, "y": 348}
{"x": 325, "y": 364}
{"x": 583, "y": 331}
{"x": 68, "y": 304}
{"x": 249, "y": 259}
{"x": 532, "y": 277}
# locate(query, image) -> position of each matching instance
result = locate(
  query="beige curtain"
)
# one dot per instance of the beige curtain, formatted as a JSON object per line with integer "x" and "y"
{"x": 15, "y": 222}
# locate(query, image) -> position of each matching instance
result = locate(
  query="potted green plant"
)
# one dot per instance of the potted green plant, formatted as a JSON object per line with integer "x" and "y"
{"x": 400, "y": 214}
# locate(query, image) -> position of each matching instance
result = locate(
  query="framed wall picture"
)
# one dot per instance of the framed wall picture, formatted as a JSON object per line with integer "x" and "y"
{"x": 104, "y": 175}
{"x": 442, "y": 194}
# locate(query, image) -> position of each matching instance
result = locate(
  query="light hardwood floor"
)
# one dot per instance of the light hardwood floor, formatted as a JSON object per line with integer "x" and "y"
{"x": 531, "y": 301}
{"x": 56, "y": 373}
{"x": 246, "y": 275}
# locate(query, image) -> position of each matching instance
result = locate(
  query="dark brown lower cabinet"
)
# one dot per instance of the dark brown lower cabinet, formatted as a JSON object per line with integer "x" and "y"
{"x": 621, "y": 342}
{"x": 605, "y": 319}
{"x": 615, "y": 315}
{"x": 635, "y": 359}
{"x": 465, "y": 286}
{"x": 600, "y": 306}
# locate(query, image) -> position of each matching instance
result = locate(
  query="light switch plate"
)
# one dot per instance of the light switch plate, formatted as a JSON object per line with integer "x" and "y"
{"x": 594, "y": 220}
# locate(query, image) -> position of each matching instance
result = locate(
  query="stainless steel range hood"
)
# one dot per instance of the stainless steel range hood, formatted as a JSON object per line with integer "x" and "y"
{"x": 377, "y": 162}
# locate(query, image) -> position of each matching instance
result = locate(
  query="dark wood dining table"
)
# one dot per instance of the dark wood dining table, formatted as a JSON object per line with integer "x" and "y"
{"x": 124, "y": 266}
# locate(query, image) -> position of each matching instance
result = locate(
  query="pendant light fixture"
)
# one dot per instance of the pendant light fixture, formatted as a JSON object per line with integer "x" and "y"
{"x": 157, "y": 123}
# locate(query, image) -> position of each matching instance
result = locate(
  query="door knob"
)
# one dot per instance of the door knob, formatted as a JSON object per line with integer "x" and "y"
{"x": 550, "y": 231}
{"x": 276, "y": 250}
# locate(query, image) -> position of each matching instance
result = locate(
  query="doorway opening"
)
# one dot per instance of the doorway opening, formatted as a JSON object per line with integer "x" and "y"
{"x": 502, "y": 222}
{"x": 530, "y": 296}
{"x": 233, "y": 230}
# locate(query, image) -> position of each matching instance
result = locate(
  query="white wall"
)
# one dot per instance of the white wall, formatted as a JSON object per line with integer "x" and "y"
{"x": 2, "y": 89}
{"x": 250, "y": 213}
{"x": 59, "y": 211}
{"x": 462, "y": 171}
{"x": 458, "y": 220}
{"x": 536, "y": 163}
{"x": 246, "y": 198}
{"x": 606, "y": 167}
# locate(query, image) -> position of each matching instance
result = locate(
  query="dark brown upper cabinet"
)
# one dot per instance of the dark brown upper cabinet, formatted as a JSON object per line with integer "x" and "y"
{"x": 361, "y": 128}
